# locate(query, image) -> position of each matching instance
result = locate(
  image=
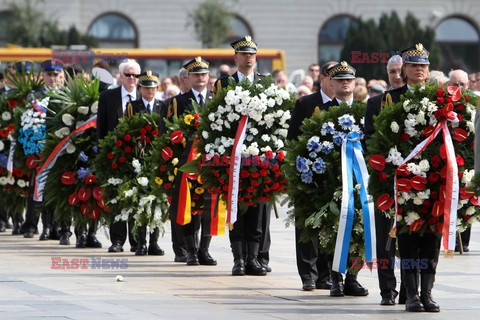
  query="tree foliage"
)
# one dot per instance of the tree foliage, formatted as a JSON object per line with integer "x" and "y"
{"x": 29, "y": 27}
{"x": 210, "y": 21}
{"x": 389, "y": 34}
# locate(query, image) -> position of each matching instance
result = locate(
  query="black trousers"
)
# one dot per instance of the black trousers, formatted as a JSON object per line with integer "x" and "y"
{"x": 3, "y": 216}
{"x": 265, "y": 241}
{"x": 419, "y": 252}
{"x": 118, "y": 233}
{"x": 248, "y": 227}
{"x": 465, "y": 235}
{"x": 385, "y": 258}
{"x": 311, "y": 264}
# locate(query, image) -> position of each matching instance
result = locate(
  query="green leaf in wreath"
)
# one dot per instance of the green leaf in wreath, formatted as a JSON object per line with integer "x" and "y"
{"x": 191, "y": 167}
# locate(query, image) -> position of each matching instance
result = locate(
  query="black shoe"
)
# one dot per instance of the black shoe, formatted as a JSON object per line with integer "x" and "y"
{"x": 413, "y": 304}
{"x": 254, "y": 268}
{"x": 28, "y": 234}
{"x": 45, "y": 234}
{"x": 337, "y": 289}
{"x": 204, "y": 258}
{"x": 81, "y": 241}
{"x": 155, "y": 250}
{"x": 465, "y": 249}
{"x": 180, "y": 258}
{"x": 388, "y": 299}
{"x": 353, "y": 288}
{"x": 325, "y": 285}
{"x": 92, "y": 242}
{"x": 17, "y": 229}
{"x": 266, "y": 267}
{"x": 141, "y": 250}
{"x": 238, "y": 267}
{"x": 54, "y": 234}
{"x": 116, "y": 247}
{"x": 133, "y": 249}
{"x": 429, "y": 304}
{"x": 64, "y": 240}
{"x": 192, "y": 258}
{"x": 308, "y": 285}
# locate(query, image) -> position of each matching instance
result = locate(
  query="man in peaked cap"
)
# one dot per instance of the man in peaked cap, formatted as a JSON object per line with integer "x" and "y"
{"x": 252, "y": 229}
{"x": 148, "y": 82}
{"x": 198, "y": 74}
{"x": 23, "y": 66}
{"x": 52, "y": 73}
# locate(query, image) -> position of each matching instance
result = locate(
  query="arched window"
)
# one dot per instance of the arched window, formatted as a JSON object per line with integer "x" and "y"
{"x": 458, "y": 40}
{"x": 238, "y": 28}
{"x": 331, "y": 37}
{"x": 114, "y": 31}
{"x": 4, "y": 20}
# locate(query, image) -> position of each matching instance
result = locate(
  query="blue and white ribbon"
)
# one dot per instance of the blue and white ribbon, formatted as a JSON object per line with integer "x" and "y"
{"x": 353, "y": 163}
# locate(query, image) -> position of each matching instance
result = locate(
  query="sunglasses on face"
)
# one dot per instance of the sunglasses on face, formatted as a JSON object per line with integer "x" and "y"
{"x": 459, "y": 84}
{"x": 128, "y": 75}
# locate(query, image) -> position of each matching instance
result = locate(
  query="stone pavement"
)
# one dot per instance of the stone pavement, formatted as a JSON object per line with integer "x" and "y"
{"x": 158, "y": 288}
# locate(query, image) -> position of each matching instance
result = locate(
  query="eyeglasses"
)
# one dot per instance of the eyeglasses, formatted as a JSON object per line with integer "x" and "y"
{"x": 128, "y": 75}
{"x": 459, "y": 84}
{"x": 316, "y": 70}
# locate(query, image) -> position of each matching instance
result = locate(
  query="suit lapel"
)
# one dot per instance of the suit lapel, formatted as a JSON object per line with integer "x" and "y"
{"x": 117, "y": 102}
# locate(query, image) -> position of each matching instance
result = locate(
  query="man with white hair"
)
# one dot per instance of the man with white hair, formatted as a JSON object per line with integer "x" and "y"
{"x": 394, "y": 72}
{"x": 111, "y": 107}
{"x": 458, "y": 78}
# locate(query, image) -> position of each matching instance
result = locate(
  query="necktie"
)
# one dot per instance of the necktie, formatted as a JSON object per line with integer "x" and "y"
{"x": 200, "y": 100}
{"x": 149, "y": 111}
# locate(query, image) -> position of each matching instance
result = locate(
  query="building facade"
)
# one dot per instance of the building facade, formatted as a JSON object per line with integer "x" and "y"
{"x": 307, "y": 30}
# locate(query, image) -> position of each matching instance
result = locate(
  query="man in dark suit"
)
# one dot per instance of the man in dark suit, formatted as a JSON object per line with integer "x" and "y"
{"x": 312, "y": 265}
{"x": 111, "y": 107}
{"x": 250, "y": 236}
{"x": 383, "y": 224}
{"x": 342, "y": 77}
{"x": 148, "y": 82}
{"x": 198, "y": 74}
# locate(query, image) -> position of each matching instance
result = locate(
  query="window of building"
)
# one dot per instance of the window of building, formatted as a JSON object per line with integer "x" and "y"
{"x": 114, "y": 31}
{"x": 331, "y": 38}
{"x": 458, "y": 40}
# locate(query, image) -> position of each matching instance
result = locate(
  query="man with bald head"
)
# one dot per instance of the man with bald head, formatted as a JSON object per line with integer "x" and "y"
{"x": 458, "y": 78}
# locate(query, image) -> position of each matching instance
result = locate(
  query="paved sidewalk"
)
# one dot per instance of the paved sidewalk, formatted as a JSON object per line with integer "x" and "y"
{"x": 158, "y": 288}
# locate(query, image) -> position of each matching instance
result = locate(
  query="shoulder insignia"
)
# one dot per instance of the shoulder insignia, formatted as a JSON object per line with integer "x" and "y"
{"x": 174, "y": 102}
{"x": 387, "y": 100}
{"x": 317, "y": 111}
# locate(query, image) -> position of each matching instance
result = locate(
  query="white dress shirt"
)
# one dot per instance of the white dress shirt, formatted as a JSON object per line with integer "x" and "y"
{"x": 126, "y": 99}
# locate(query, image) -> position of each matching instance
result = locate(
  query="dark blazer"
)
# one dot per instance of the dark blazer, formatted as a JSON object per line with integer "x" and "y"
{"x": 182, "y": 103}
{"x": 304, "y": 108}
{"x": 139, "y": 106}
{"x": 374, "y": 105}
{"x": 110, "y": 109}
{"x": 223, "y": 81}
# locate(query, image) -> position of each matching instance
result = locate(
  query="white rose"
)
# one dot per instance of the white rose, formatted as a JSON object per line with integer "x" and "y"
{"x": 6, "y": 116}
{"x": 175, "y": 161}
{"x": 68, "y": 119}
{"x": 205, "y": 134}
{"x": 21, "y": 183}
{"x": 3, "y": 181}
{"x": 265, "y": 137}
{"x": 394, "y": 126}
{"x": 11, "y": 180}
{"x": 143, "y": 181}
{"x": 418, "y": 201}
{"x": 83, "y": 110}
{"x": 71, "y": 148}
{"x": 424, "y": 165}
{"x": 94, "y": 107}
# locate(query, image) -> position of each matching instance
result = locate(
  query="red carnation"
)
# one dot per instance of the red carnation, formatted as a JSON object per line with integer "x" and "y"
{"x": 162, "y": 168}
{"x": 114, "y": 165}
{"x": 433, "y": 177}
{"x": 440, "y": 100}
{"x": 68, "y": 178}
{"x": 255, "y": 175}
{"x": 275, "y": 168}
{"x": 90, "y": 179}
{"x": 460, "y": 161}
{"x": 122, "y": 159}
{"x": 12, "y": 104}
{"x": 255, "y": 183}
{"x": 467, "y": 98}
{"x": 167, "y": 186}
{"x": 119, "y": 143}
{"x": 382, "y": 176}
{"x": 110, "y": 156}
{"x": 280, "y": 156}
{"x": 73, "y": 199}
{"x": 384, "y": 202}
{"x": 143, "y": 131}
{"x": 155, "y": 133}
{"x": 443, "y": 152}
{"x": 459, "y": 135}
{"x": 127, "y": 149}
{"x": 167, "y": 153}
{"x": 148, "y": 127}
{"x": 405, "y": 137}
{"x": 244, "y": 174}
{"x": 377, "y": 162}
{"x": 127, "y": 137}
{"x": 435, "y": 160}
{"x": 439, "y": 92}
{"x": 264, "y": 172}
{"x": 196, "y": 124}
{"x": 460, "y": 106}
{"x": 176, "y": 136}
{"x": 269, "y": 154}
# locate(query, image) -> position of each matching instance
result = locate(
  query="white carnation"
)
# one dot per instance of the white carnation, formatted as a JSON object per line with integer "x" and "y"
{"x": 68, "y": 119}
{"x": 71, "y": 148}
{"x": 143, "y": 181}
{"x": 6, "y": 116}
{"x": 394, "y": 126}
{"x": 94, "y": 107}
{"x": 83, "y": 110}
{"x": 411, "y": 217}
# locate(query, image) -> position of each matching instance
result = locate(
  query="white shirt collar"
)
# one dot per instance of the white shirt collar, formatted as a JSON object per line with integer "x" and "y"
{"x": 196, "y": 93}
{"x": 349, "y": 101}
{"x": 250, "y": 77}
{"x": 325, "y": 98}
{"x": 151, "y": 103}
{"x": 125, "y": 94}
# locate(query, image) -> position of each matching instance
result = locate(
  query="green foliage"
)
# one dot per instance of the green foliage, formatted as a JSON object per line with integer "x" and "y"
{"x": 389, "y": 34}
{"x": 316, "y": 205}
{"x": 210, "y": 20}
{"x": 30, "y": 27}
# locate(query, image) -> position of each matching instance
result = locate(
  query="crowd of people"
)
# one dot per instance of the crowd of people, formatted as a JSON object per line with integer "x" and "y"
{"x": 324, "y": 86}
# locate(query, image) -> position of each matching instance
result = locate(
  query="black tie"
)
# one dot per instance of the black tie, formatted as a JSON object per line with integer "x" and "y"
{"x": 149, "y": 111}
{"x": 200, "y": 100}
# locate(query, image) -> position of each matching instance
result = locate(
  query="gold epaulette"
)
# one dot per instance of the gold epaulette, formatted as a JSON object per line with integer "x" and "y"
{"x": 129, "y": 111}
{"x": 317, "y": 111}
{"x": 175, "y": 107}
{"x": 171, "y": 106}
{"x": 218, "y": 87}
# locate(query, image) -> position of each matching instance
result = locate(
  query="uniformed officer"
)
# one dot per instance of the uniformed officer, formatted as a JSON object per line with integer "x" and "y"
{"x": 198, "y": 74}
{"x": 250, "y": 237}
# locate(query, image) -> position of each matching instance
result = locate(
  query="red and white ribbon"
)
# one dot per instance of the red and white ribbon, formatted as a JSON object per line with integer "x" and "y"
{"x": 235, "y": 167}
